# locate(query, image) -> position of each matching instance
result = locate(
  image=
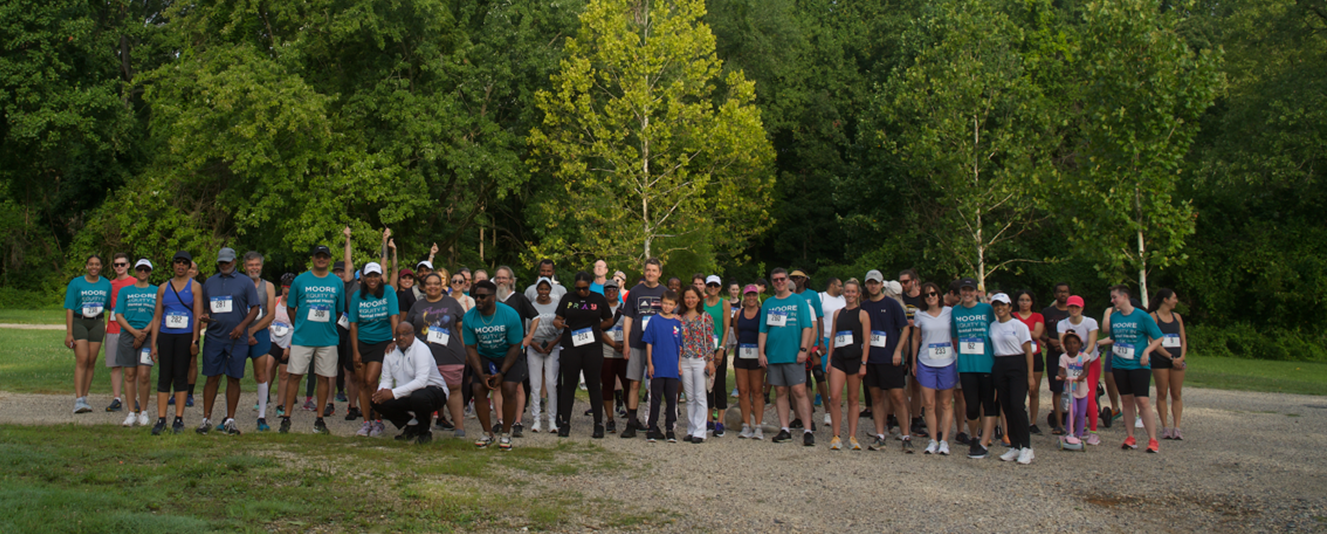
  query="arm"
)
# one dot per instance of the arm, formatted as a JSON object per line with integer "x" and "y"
{"x": 348, "y": 274}
{"x": 433, "y": 252}
{"x": 1184, "y": 337}
{"x": 727, "y": 323}
{"x": 391, "y": 245}
{"x": 385, "y": 378}
{"x": 156, "y": 318}
{"x": 513, "y": 352}
{"x": 626, "y": 335}
{"x": 266, "y": 321}
{"x": 354, "y": 343}
{"x": 529, "y": 337}
{"x": 806, "y": 344}
{"x": 69, "y": 328}
{"x": 198, "y": 312}
{"x": 898, "y": 348}
{"x": 1027, "y": 348}
{"x": 649, "y": 360}
{"x": 419, "y": 379}
{"x": 242, "y": 329}
{"x": 833, "y": 321}
{"x": 764, "y": 362}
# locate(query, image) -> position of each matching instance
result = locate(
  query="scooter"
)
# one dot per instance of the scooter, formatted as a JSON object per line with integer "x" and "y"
{"x": 1068, "y": 442}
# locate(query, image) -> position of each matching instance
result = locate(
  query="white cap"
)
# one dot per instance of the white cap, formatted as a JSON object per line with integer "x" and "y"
{"x": 1001, "y": 297}
{"x": 874, "y": 275}
{"x": 893, "y": 287}
{"x": 544, "y": 280}
{"x": 143, "y": 262}
{"x": 713, "y": 279}
{"x": 425, "y": 263}
{"x": 372, "y": 267}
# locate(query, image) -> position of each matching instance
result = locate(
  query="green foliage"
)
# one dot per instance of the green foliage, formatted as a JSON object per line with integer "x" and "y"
{"x": 1242, "y": 340}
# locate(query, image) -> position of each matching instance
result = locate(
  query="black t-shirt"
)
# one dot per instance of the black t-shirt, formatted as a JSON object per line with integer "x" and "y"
{"x": 583, "y": 312}
{"x": 406, "y": 299}
{"x": 1053, "y": 316}
{"x": 438, "y": 318}
{"x": 522, "y": 306}
{"x": 642, "y": 302}
{"x": 912, "y": 304}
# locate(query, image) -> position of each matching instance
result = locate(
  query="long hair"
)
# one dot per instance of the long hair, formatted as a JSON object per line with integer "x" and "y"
{"x": 682, "y": 301}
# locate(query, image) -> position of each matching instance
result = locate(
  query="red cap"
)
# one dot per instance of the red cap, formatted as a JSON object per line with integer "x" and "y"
{"x": 1075, "y": 301}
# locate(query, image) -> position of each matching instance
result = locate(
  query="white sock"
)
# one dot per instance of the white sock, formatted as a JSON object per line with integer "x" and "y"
{"x": 262, "y": 399}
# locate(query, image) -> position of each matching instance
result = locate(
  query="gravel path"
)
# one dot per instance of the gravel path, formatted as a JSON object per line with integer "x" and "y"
{"x": 1246, "y": 465}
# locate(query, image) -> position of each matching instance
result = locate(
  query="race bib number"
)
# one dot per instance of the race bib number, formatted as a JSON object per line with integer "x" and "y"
{"x": 343, "y": 322}
{"x": 280, "y": 329}
{"x": 1171, "y": 341}
{"x": 1123, "y": 350}
{"x": 319, "y": 313}
{"x": 842, "y": 339}
{"x": 145, "y": 356}
{"x": 746, "y": 351}
{"x": 973, "y": 346}
{"x": 92, "y": 310}
{"x": 878, "y": 338}
{"x": 616, "y": 333}
{"x": 582, "y": 337}
{"x": 777, "y": 318}
{"x": 176, "y": 320}
{"x": 439, "y": 336}
{"x": 938, "y": 351}
{"x": 222, "y": 304}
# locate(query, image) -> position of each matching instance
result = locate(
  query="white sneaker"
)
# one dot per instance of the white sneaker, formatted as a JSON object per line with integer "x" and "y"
{"x": 759, "y": 434}
{"x": 81, "y": 405}
{"x": 205, "y": 427}
{"x": 944, "y": 448}
{"x": 538, "y": 427}
{"x": 1138, "y": 422}
{"x": 828, "y": 421}
{"x": 930, "y": 448}
{"x": 1025, "y": 456}
{"x": 130, "y": 419}
{"x": 1010, "y": 455}
{"x": 745, "y": 433}
{"x": 582, "y": 386}
{"x": 143, "y": 419}
{"x": 364, "y": 429}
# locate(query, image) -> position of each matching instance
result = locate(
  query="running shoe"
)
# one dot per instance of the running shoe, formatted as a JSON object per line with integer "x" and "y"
{"x": 835, "y": 444}
{"x": 262, "y": 424}
{"x": 582, "y": 386}
{"x": 309, "y": 406}
{"x": 962, "y": 438}
{"x": 115, "y": 406}
{"x": 444, "y": 423}
{"x": 1025, "y": 456}
{"x": 588, "y": 412}
{"x": 944, "y": 448}
{"x": 745, "y": 433}
{"x": 817, "y": 399}
{"x": 231, "y": 428}
{"x": 919, "y": 428}
{"x": 484, "y": 441}
{"x": 629, "y": 430}
{"x": 538, "y": 426}
{"x": 364, "y": 429}
{"x": 828, "y": 421}
{"x": 854, "y": 444}
{"x": 598, "y": 432}
{"x": 458, "y": 433}
{"x": 672, "y": 438}
{"x": 687, "y": 438}
{"x": 783, "y": 436}
{"x": 353, "y": 413}
{"x": 189, "y": 401}
{"x": 129, "y": 421}
{"x": 205, "y": 427}
{"x": 718, "y": 430}
{"x": 1035, "y": 430}
{"x": 865, "y": 414}
{"x": 612, "y": 426}
{"x": 376, "y": 429}
{"x": 878, "y": 444}
{"x": 1004, "y": 440}
{"x": 808, "y": 439}
{"x": 171, "y": 401}
{"x": 285, "y": 425}
{"x": 178, "y": 426}
{"x": 81, "y": 406}
{"x": 1164, "y": 434}
{"x": 931, "y": 447}
{"x": 1175, "y": 434}
{"x": 697, "y": 441}
{"x": 1057, "y": 431}
{"x": 1093, "y": 438}
{"x": 1129, "y": 443}
{"x": 142, "y": 419}
{"x": 563, "y": 431}
{"x": 797, "y": 423}
{"x": 1138, "y": 422}
{"x": 423, "y": 437}
{"x": 221, "y": 426}
{"x": 1116, "y": 414}
{"x": 341, "y": 396}
{"x": 734, "y": 395}
{"x": 1153, "y": 446}
{"x": 652, "y": 435}
{"x": 330, "y": 410}
{"x": 759, "y": 434}
{"x": 907, "y": 445}
{"x": 1010, "y": 455}
{"x": 157, "y": 428}
{"x": 976, "y": 451}
{"x": 518, "y": 431}
{"x": 280, "y": 410}
{"x": 319, "y": 426}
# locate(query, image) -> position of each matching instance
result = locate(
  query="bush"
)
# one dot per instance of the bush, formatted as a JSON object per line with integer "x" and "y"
{"x": 1242, "y": 340}
{"x": 23, "y": 299}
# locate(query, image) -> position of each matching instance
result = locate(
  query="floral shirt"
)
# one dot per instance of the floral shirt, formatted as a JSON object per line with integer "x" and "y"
{"x": 697, "y": 336}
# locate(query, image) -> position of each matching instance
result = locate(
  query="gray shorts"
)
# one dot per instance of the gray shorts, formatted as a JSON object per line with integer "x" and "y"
{"x": 112, "y": 346}
{"x": 124, "y": 354}
{"x": 636, "y": 365}
{"x": 787, "y": 374}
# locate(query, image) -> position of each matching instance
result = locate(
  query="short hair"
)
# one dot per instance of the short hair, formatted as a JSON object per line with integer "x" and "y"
{"x": 697, "y": 276}
{"x": 679, "y": 280}
{"x": 252, "y": 255}
{"x": 777, "y": 270}
{"x": 1121, "y": 289}
{"x": 911, "y": 273}
{"x": 547, "y": 262}
{"x": 761, "y": 282}
{"x": 120, "y": 255}
{"x": 654, "y": 261}
{"x": 1060, "y": 285}
{"x": 501, "y": 268}
{"x": 463, "y": 269}
{"x": 670, "y": 295}
{"x": 98, "y": 256}
{"x": 485, "y": 284}
{"x": 831, "y": 281}
{"x": 583, "y": 276}
{"x": 955, "y": 288}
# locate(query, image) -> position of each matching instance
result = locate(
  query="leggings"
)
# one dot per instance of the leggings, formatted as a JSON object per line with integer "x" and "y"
{"x": 1011, "y": 385}
{"x": 173, "y": 357}
{"x": 1093, "y": 378}
{"x": 1080, "y": 414}
{"x": 979, "y": 392}
{"x": 718, "y": 398}
{"x": 574, "y": 361}
{"x": 614, "y": 369}
{"x": 663, "y": 389}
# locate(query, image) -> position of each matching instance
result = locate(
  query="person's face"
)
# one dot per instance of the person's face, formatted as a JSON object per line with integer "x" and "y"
{"x": 873, "y": 288}
{"x": 691, "y": 299}
{"x": 652, "y": 273}
{"x": 798, "y": 281}
{"x": 285, "y": 291}
{"x": 675, "y": 285}
{"x": 373, "y": 281}
{"x": 143, "y": 273}
{"x": 480, "y": 276}
{"x": 407, "y": 281}
{"x": 484, "y": 300}
{"x": 423, "y": 271}
{"x": 121, "y": 266}
{"x": 952, "y": 299}
{"x": 780, "y": 282}
{"x": 1172, "y": 300}
{"x": 1076, "y": 311}
{"x": 1001, "y": 309}
{"x": 457, "y": 284}
{"x": 1024, "y": 303}
{"x": 611, "y": 294}
{"x": 321, "y": 261}
{"x": 712, "y": 289}
{"x": 93, "y": 267}
{"x": 751, "y": 300}
{"x": 404, "y": 337}
{"x": 1118, "y": 299}
{"x": 932, "y": 297}
{"x": 761, "y": 287}
{"x": 543, "y": 290}
{"x": 502, "y": 278}
{"x": 837, "y": 287}
{"x": 193, "y": 269}
{"x": 1061, "y": 294}
{"x": 582, "y": 288}
{"x": 969, "y": 295}
{"x": 433, "y": 287}
{"x": 698, "y": 283}
{"x": 600, "y": 268}
{"x": 734, "y": 291}
{"x": 181, "y": 267}
{"x": 1072, "y": 344}
{"x": 546, "y": 270}
{"x": 253, "y": 268}
{"x": 668, "y": 305}
{"x": 466, "y": 277}
{"x": 225, "y": 267}
{"x": 907, "y": 282}
{"x": 852, "y": 293}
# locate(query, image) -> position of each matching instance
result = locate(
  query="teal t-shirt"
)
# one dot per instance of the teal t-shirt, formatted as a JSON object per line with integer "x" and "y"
{"x": 817, "y": 312}
{"x": 971, "y": 328}
{"x": 316, "y": 301}
{"x": 1132, "y": 333}
{"x": 136, "y": 305}
{"x": 88, "y": 298}
{"x": 374, "y": 315}
{"x": 493, "y": 334}
{"x": 782, "y": 343}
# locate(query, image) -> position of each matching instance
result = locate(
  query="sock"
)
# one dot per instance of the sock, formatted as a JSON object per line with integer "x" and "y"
{"x": 262, "y": 399}
{"x": 631, "y": 414}
{"x": 179, "y": 419}
{"x": 786, "y": 429}
{"x": 806, "y": 431}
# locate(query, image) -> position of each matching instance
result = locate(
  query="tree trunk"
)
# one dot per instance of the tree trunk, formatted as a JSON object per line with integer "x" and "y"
{"x": 1142, "y": 249}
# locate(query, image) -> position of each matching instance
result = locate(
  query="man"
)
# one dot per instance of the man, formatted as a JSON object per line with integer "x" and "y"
{"x": 643, "y": 303}
{"x": 954, "y": 296}
{"x": 260, "y": 340}
{"x": 231, "y": 306}
{"x": 787, "y": 327}
{"x": 600, "y": 277}
{"x": 346, "y": 390}
{"x": 505, "y": 280}
{"x": 1053, "y": 314}
{"x": 913, "y": 301}
{"x": 492, "y": 334}
{"x": 122, "y": 280}
{"x": 815, "y": 365}
{"x": 411, "y": 387}
{"x": 422, "y": 270}
{"x": 465, "y": 275}
{"x": 546, "y": 270}
{"x": 831, "y": 300}
{"x": 314, "y": 300}
{"x": 886, "y": 365}
{"x": 481, "y": 275}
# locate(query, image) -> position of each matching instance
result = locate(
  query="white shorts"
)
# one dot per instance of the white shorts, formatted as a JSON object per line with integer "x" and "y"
{"x": 322, "y": 358}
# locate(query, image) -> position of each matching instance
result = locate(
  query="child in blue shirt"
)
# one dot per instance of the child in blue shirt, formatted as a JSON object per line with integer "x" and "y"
{"x": 663, "y": 342}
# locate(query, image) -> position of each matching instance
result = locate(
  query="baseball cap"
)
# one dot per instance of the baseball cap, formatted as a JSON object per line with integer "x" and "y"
{"x": 611, "y": 284}
{"x": 339, "y": 265}
{"x": 1001, "y": 297}
{"x": 894, "y": 287}
{"x": 372, "y": 267}
{"x": 226, "y": 255}
{"x": 874, "y": 275}
{"x": 143, "y": 263}
{"x": 425, "y": 263}
{"x": 713, "y": 279}
{"x": 751, "y": 288}
{"x": 544, "y": 280}
{"x": 1075, "y": 301}
{"x": 182, "y": 255}
{"x": 967, "y": 282}
{"x": 797, "y": 272}
{"x": 406, "y": 272}
{"x": 320, "y": 249}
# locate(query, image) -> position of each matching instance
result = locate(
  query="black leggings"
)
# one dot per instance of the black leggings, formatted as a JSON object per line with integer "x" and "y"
{"x": 717, "y": 399}
{"x": 173, "y": 359}
{"x": 1011, "y": 384}
{"x": 663, "y": 389}
{"x": 979, "y": 393}
{"x": 571, "y": 363}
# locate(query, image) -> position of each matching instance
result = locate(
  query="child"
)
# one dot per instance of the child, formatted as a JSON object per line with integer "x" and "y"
{"x": 1073, "y": 366}
{"x": 663, "y": 343}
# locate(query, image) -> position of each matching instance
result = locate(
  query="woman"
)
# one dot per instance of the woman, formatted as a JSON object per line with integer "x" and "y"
{"x": 281, "y": 330}
{"x": 971, "y": 329}
{"x": 458, "y": 291}
{"x": 847, "y": 361}
{"x": 614, "y": 373}
{"x": 544, "y": 355}
{"x": 734, "y": 295}
{"x": 750, "y": 375}
{"x": 1012, "y": 344}
{"x": 405, "y": 295}
{"x": 1169, "y": 368}
{"x": 86, "y": 300}
{"x": 937, "y": 365}
{"x": 175, "y": 339}
{"x": 722, "y": 316}
{"x": 1036, "y": 324}
{"x": 1087, "y": 330}
{"x": 373, "y": 318}
{"x": 437, "y": 322}
{"x": 582, "y": 315}
{"x": 696, "y": 363}
{"x": 134, "y": 307}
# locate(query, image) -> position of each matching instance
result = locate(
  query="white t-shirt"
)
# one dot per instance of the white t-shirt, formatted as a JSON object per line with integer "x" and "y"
{"x": 1007, "y": 338}
{"x": 1082, "y": 329}
{"x": 937, "y": 348}
{"x": 830, "y": 305}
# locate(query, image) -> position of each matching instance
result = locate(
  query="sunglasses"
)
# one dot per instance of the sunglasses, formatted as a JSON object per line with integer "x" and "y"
{"x": 458, "y": 281}
{"x": 181, "y": 262}
{"x": 144, "y": 269}
{"x": 121, "y": 264}
{"x": 780, "y": 279}
{"x": 712, "y": 285}
{"x": 582, "y": 288}
{"x": 932, "y": 294}
{"x": 480, "y": 296}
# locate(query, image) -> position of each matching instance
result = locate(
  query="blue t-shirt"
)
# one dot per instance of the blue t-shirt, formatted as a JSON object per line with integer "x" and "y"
{"x": 972, "y": 329}
{"x": 1133, "y": 331}
{"x": 782, "y": 343}
{"x": 817, "y": 312}
{"x": 227, "y": 299}
{"x": 666, "y": 336}
{"x": 88, "y": 298}
{"x": 374, "y": 314}
{"x": 137, "y": 305}
{"x": 596, "y": 287}
{"x": 888, "y": 319}
{"x": 493, "y": 334}
{"x": 316, "y": 301}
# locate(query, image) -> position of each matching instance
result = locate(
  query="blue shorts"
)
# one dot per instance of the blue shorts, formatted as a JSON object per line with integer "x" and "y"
{"x": 938, "y": 378}
{"x": 264, "y": 346}
{"x": 225, "y": 356}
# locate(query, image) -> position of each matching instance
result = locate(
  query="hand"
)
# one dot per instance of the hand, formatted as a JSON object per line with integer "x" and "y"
{"x": 252, "y": 340}
{"x": 154, "y": 355}
{"x": 357, "y": 359}
{"x": 801, "y": 356}
{"x": 236, "y": 332}
{"x": 285, "y": 353}
{"x": 346, "y": 232}
{"x": 861, "y": 371}
{"x": 382, "y": 395}
{"x": 1146, "y": 359}
{"x": 649, "y": 369}
{"x": 898, "y": 360}
{"x": 1032, "y": 383}
{"x": 433, "y": 250}
{"x": 764, "y": 362}
{"x": 69, "y": 341}
{"x": 914, "y": 370}
{"x": 386, "y": 234}
{"x": 391, "y": 346}
{"x": 193, "y": 349}
{"x": 391, "y": 244}
{"x": 494, "y": 381}
{"x": 709, "y": 369}
{"x": 204, "y": 317}
{"x": 140, "y": 336}
{"x": 138, "y": 343}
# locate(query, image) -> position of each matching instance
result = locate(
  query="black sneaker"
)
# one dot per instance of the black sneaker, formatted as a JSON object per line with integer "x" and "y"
{"x": 563, "y": 431}
{"x": 407, "y": 434}
{"x": 598, "y": 432}
{"x": 189, "y": 401}
{"x": 115, "y": 406}
{"x": 672, "y": 438}
{"x": 907, "y": 445}
{"x": 891, "y": 421}
{"x": 976, "y": 451}
{"x": 1105, "y": 416}
{"x": 687, "y": 438}
{"x": 341, "y": 396}
{"x": 797, "y": 423}
{"x": 808, "y": 439}
{"x": 630, "y": 430}
{"x": 330, "y": 410}
{"x": 999, "y": 432}
{"x": 612, "y": 426}
{"x": 177, "y": 426}
{"x": 1050, "y": 420}
{"x": 319, "y": 426}
{"x": 285, "y": 425}
{"x": 866, "y": 414}
{"x": 444, "y": 424}
{"x": 1034, "y": 430}
{"x": 157, "y": 428}
{"x": 518, "y": 430}
{"x": 919, "y": 428}
{"x": 589, "y": 412}
{"x": 424, "y": 437}
{"x": 651, "y": 436}
{"x": 697, "y": 441}
{"x": 962, "y": 438}
{"x": 877, "y": 444}
{"x": 353, "y": 414}
{"x": 783, "y": 437}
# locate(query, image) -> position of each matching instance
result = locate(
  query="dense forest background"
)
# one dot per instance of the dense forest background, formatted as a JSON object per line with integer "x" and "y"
{"x": 890, "y": 130}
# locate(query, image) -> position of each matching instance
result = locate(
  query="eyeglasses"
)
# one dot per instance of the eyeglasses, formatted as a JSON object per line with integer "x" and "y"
{"x": 144, "y": 269}
{"x": 181, "y": 262}
{"x": 582, "y": 288}
{"x": 480, "y": 296}
{"x": 712, "y": 284}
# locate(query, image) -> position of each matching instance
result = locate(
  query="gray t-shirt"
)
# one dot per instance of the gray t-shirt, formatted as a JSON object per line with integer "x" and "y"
{"x": 547, "y": 312}
{"x": 614, "y": 333}
{"x": 436, "y": 326}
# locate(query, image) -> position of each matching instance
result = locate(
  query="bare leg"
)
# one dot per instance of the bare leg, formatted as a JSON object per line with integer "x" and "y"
{"x": 232, "y": 396}
{"x": 1176, "y": 397}
{"x": 130, "y": 387}
{"x": 900, "y": 403}
{"x": 117, "y": 375}
{"x": 836, "y": 380}
{"x": 781, "y": 405}
{"x": 878, "y": 410}
{"x": 854, "y": 386}
{"x": 756, "y": 381}
{"x": 946, "y": 410}
{"x": 928, "y": 402}
{"x": 1162, "y": 377}
{"x": 744, "y": 400}
{"x": 803, "y": 403}
{"x": 1034, "y": 399}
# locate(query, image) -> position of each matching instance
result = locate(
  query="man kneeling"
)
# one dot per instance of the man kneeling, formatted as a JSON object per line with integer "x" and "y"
{"x": 419, "y": 388}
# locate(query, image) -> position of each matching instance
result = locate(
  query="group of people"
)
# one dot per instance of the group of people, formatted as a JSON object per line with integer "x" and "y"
{"x": 410, "y": 344}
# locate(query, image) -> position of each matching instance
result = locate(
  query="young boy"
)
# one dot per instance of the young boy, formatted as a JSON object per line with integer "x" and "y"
{"x": 663, "y": 341}
{"x": 1073, "y": 373}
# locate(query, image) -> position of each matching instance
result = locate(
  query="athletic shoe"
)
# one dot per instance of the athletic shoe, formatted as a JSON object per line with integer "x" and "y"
{"x": 865, "y": 414}
{"x": 171, "y": 400}
{"x": 189, "y": 401}
{"x": 919, "y": 428}
{"x": 1153, "y": 446}
{"x": 817, "y": 399}
{"x": 178, "y": 426}
{"x": 364, "y": 429}
{"x": 976, "y": 451}
{"x": 854, "y": 444}
{"x": 262, "y": 424}
{"x": 157, "y": 428}
{"x": 330, "y": 410}
{"x": 962, "y": 438}
{"x": 319, "y": 426}
{"x": 458, "y": 434}
{"x": 759, "y": 434}
{"x": 697, "y": 441}
{"x": 652, "y": 435}
{"x": 588, "y": 412}
{"x": 1129, "y": 443}
{"x": 130, "y": 420}
{"x": 1004, "y": 440}
{"x": 1010, "y": 455}
{"x": 828, "y": 421}
{"x": 1057, "y": 431}
{"x": 221, "y": 426}
{"x": 718, "y": 430}
{"x": 835, "y": 443}
{"x": 1164, "y": 434}
{"x": 783, "y": 436}
{"x": 563, "y": 431}
{"x": 878, "y": 444}
{"x": 81, "y": 406}
{"x": 931, "y": 447}
{"x": 205, "y": 427}
{"x": 538, "y": 426}
{"x": 1138, "y": 422}
{"x": 484, "y": 441}
{"x": 808, "y": 439}
{"x": 582, "y": 386}
{"x": 672, "y": 438}
{"x": 745, "y": 433}
{"x": 598, "y": 432}
{"x": 797, "y": 423}
{"x": 309, "y": 405}
{"x": 518, "y": 431}
{"x": 142, "y": 419}
{"x": 630, "y": 430}
{"x": 1025, "y": 456}
{"x": 735, "y": 393}
{"x": 687, "y": 438}
{"x": 1093, "y": 438}
{"x": 280, "y": 410}
{"x": 944, "y": 448}
{"x": 341, "y": 396}
{"x": 1175, "y": 434}
{"x": 115, "y": 406}
{"x": 1116, "y": 414}
{"x": 231, "y": 428}
{"x": 444, "y": 424}
{"x": 999, "y": 432}
{"x": 353, "y": 413}
{"x": 285, "y": 425}
{"x": 1034, "y": 430}
{"x": 552, "y": 427}
{"x": 612, "y": 426}
{"x": 907, "y": 445}
{"x": 424, "y": 437}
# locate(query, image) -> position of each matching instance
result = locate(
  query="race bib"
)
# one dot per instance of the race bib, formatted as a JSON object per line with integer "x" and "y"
{"x": 112, "y": 316}
{"x": 938, "y": 351}
{"x": 645, "y": 322}
{"x": 746, "y": 351}
{"x": 616, "y": 333}
{"x": 145, "y": 356}
{"x": 1171, "y": 341}
{"x": 582, "y": 337}
{"x": 1123, "y": 350}
{"x": 716, "y": 342}
{"x": 343, "y": 322}
{"x": 319, "y": 313}
{"x": 973, "y": 346}
{"x": 439, "y": 336}
{"x": 222, "y": 304}
{"x": 878, "y": 338}
{"x": 91, "y": 311}
{"x": 176, "y": 320}
{"x": 777, "y": 318}
{"x": 842, "y": 339}
{"x": 261, "y": 313}
{"x": 280, "y": 329}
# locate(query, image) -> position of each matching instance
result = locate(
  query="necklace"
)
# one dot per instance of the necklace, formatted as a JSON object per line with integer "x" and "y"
{"x": 489, "y": 321}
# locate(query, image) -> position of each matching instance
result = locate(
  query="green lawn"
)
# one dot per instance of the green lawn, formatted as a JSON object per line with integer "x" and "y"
{"x": 1304, "y": 378}
{"x": 54, "y": 316}
{"x": 109, "y": 479}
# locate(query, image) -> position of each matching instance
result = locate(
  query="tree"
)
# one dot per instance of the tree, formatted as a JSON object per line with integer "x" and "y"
{"x": 649, "y": 152}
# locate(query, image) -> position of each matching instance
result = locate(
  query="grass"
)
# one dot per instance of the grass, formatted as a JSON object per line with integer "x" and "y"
{"x": 109, "y": 479}
{"x": 47, "y": 316}
{"x": 1305, "y": 378}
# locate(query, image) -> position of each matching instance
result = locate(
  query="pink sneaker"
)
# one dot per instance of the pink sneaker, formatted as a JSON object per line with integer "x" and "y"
{"x": 1165, "y": 433}
{"x": 1175, "y": 434}
{"x": 1093, "y": 439}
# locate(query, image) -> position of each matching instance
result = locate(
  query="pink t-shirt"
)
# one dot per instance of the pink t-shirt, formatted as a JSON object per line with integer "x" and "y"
{"x": 1075, "y": 366}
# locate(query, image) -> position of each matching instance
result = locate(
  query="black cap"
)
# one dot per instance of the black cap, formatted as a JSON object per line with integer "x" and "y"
{"x": 967, "y": 282}
{"x": 320, "y": 249}
{"x": 339, "y": 265}
{"x": 182, "y": 255}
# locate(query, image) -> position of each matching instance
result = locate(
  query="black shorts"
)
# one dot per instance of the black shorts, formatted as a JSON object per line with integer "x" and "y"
{"x": 1052, "y": 363}
{"x": 1037, "y": 363}
{"x": 1158, "y": 361}
{"x": 279, "y": 353}
{"x": 847, "y": 363}
{"x": 886, "y": 376}
{"x": 371, "y": 352}
{"x": 814, "y": 371}
{"x": 518, "y": 372}
{"x": 1136, "y": 382}
{"x": 749, "y": 364}
{"x": 345, "y": 358}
